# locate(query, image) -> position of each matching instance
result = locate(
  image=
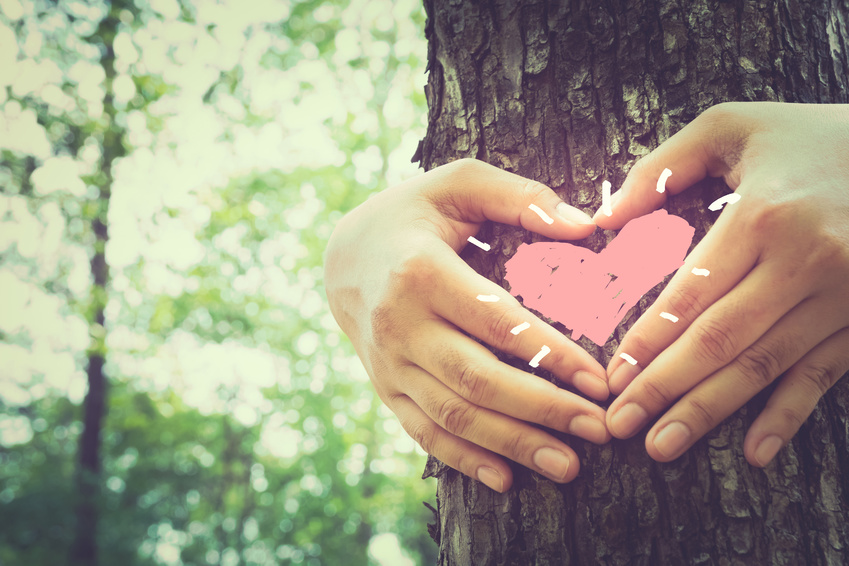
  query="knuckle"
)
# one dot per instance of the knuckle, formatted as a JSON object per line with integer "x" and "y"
{"x": 643, "y": 167}
{"x": 469, "y": 380}
{"x": 415, "y": 273}
{"x": 828, "y": 250}
{"x": 685, "y": 302}
{"x": 718, "y": 114}
{"x": 558, "y": 358}
{"x": 640, "y": 348}
{"x": 463, "y": 463}
{"x": 702, "y": 413}
{"x": 792, "y": 416}
{"x": 715, "y": 343}
{"x": 723, "y": 120}
{"x": 456, "y": 416}
{"x": 473, "y": 384}
{"x": 760, "y": 365}
{"x": 725, "y": 134}
{"x": 384, "y": 326}
{"x": 448, "y": 201}
{"x": 820, "y": 378}
{"x": 499, "y": 324}
{"x": 517, "y": 446}
{"x": 424, "y": 434}
{"x": 466, "y": 166}
{"x": 552, "y": 415}
{"x": 387, "y": 396}
{"x": 534, "y": 190}
{"x": 772, "y": 216}
{"x": 449, "y": 204}
{"x": 657, "y": 393}
{"x": 452, "y": 365}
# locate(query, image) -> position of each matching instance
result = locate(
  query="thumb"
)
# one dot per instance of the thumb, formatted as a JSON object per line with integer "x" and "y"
{"x": 468, "y": 192}
{"x": 710, "y": 145}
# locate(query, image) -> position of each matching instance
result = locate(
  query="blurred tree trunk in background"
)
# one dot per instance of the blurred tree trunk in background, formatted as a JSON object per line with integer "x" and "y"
{"x": 222, "y": 423}
{"x": 571, "y": 94}
{"x": 84, "y": 550}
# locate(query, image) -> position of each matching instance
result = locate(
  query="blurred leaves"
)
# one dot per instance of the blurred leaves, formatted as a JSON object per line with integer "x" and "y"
{"x": 241, "y": 427}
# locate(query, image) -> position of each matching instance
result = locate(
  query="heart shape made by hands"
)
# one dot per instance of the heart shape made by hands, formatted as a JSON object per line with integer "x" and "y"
{"x": 590, "y": 293}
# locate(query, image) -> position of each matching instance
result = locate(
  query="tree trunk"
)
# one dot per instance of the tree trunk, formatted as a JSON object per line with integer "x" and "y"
{"x": 84, "y": 550}
{"x": 571, "y": 94}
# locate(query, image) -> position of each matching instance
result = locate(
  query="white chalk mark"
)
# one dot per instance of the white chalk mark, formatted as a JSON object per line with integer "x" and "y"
{"x": 721, "y": 201}
{"x": 521, "y": 327}
{"x": 485, "y": 247}
{"x": 628, "y": 358}
{"x": 606, "y": 206}
{"x": 668, "y": 316}
{"x": 661, "y": 182}
{"x": 700, "y": 271}
{"x": 545, "y": 217}
{"x": 542, "y": 353}
{"x": 488, "y": 298}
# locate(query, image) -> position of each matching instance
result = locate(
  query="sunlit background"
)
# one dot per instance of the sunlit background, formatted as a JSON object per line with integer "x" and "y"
{"x": 240, "y": 426}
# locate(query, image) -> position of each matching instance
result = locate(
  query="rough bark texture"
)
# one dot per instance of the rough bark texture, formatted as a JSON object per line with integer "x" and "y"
{"x": 570, "y": 94}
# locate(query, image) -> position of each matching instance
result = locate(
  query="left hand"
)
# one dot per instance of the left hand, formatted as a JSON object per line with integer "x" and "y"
{"x": 776, "y": 301}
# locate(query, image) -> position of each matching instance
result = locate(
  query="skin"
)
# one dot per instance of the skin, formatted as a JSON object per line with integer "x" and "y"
{"x": 775, "y": 306}
{"x": 401, "y": 293}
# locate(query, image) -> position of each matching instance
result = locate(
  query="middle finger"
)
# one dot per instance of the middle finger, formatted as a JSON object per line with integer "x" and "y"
{"x": 716, "y": 338}
{"x": 478, "y": 376}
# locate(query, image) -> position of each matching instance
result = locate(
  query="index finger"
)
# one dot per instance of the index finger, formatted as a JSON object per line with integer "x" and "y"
{"x": 468, "y": 192}
{"x": 485, "y": 310}
{"x": 710, "y": 145}
{"x": 716, "y": 265}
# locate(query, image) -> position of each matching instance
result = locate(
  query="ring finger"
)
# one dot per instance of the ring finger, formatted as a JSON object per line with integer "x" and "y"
{"x": 718, "y": 396}
{"x": 512, "y": 438}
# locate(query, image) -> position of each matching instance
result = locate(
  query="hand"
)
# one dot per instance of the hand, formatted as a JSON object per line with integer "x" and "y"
{"x": 400, "y": 292}
{"x": 776, "y": 300}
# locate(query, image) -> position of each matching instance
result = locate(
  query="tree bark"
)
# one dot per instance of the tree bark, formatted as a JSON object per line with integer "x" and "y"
{"x": 570, "y": 94}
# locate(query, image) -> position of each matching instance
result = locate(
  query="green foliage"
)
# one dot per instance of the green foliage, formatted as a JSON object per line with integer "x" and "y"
{"x": 241, "y": 428}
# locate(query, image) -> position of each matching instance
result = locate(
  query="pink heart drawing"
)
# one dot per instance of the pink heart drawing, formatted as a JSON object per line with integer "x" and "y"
{"x": 591, "y": 293}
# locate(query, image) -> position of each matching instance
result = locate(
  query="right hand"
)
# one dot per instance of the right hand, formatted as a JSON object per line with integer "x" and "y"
{"x": 400, "y": 292}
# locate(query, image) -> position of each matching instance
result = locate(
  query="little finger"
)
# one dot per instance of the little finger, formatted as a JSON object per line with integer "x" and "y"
{"x": 795, "y": 397}
{"x": 464, "y": 456}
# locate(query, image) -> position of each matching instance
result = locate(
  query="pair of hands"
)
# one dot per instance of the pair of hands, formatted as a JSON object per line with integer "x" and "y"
{"x": 776, "y": 301}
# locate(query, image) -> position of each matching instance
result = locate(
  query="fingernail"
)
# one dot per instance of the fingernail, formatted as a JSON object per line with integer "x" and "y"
{"x": 553, "y": 462}
{"x": 628, "y": 420}
{"x": 767, "y": 449}
{"x": 588, "y": 427}
{"x": 672, "y": 439}
{"x": 491, "y": 478}
{"x": 591, "y": 384}
{"x": 623, "y": 376}
{"x": 572, "y": 214}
